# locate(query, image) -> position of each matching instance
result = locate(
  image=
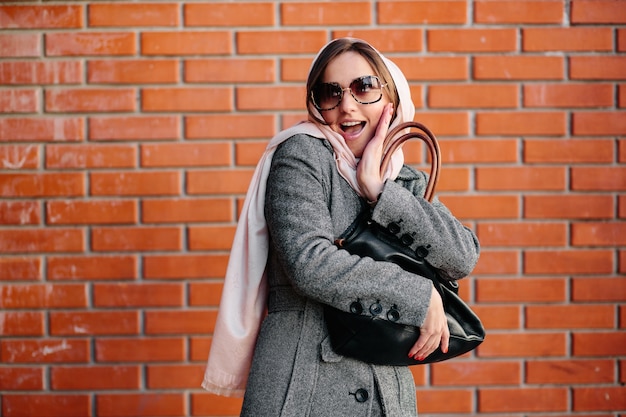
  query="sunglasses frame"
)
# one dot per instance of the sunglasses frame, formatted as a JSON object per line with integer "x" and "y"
{"x": 351, "y": 92}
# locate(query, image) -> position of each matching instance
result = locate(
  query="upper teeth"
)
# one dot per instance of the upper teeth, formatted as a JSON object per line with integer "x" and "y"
{"x": 348, "y": 124}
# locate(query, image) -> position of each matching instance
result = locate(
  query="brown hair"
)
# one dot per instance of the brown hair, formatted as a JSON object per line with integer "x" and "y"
{"x": 338, "y": 47}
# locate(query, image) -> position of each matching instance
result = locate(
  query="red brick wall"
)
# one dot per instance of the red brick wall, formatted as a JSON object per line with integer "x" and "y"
{"x": 129, "y": 132}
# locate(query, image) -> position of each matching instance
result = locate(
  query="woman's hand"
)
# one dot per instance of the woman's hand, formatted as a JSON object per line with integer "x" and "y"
{"x": 368, "y": 170}
{"x": 434, "y": 332}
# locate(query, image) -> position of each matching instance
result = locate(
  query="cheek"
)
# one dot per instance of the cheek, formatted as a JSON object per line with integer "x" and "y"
{"x": 377, "y": 113}
{"x": 330, "y": 117}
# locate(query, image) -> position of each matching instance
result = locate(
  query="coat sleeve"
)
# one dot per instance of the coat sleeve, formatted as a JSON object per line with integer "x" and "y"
{"x": 452, "y": 248}
{"x": 300, "y": 223}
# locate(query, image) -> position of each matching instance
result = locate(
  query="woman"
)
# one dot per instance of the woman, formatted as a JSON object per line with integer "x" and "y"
{"x": 319, "y": 180}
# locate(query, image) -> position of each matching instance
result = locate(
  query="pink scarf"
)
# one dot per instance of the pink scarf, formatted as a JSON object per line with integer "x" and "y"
{"x": 244, "y": 297}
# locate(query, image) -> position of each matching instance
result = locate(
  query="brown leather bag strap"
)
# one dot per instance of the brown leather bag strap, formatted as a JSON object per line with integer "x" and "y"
{"x": 391, "y": 144}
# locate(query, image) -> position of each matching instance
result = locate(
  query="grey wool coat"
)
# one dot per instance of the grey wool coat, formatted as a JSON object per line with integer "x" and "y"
{"x": 295, "y": 372}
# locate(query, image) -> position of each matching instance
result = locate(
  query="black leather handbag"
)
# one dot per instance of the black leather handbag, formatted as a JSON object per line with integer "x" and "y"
{"x": 379, "y": 339}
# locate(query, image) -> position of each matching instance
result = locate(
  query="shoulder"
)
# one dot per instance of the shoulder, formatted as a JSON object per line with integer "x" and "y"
{"x": 302, "y": 156}
{"x": 303, "y": 145}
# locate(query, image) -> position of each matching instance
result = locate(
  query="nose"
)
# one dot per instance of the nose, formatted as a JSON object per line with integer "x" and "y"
{"x": 348, "y": 102}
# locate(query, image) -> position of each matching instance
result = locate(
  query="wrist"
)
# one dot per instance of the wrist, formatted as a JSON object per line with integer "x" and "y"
{"x": 372, "y": 203}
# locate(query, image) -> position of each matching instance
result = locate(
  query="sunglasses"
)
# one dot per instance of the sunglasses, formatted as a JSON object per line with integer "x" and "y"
{"x": 365, "y": 90}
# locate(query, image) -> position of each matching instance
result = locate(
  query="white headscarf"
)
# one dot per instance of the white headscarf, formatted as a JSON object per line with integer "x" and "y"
{"x": 244, "y": 297}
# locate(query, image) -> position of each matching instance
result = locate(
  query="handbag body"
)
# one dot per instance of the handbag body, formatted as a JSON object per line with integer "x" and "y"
{"x": 379, "y": 339}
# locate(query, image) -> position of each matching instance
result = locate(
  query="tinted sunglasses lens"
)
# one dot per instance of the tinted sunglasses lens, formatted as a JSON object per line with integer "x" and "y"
{"x": 326, "y": 96}
{"x": 366, "y": 89}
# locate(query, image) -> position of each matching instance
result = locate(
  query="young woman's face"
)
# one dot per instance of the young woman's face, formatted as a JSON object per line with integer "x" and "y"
{"x": 354, "y": 121}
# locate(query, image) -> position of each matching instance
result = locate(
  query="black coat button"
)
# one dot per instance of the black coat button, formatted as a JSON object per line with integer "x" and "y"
{"x": 361, "y": 395}
{"x": 376, "y": 309}
{"x": 421, "y": 252}
{"x": 407, "y": 240}
{"x": 393, "y": 314}
{"x": 393, "y": 228}
{"x": 356, "y": 307}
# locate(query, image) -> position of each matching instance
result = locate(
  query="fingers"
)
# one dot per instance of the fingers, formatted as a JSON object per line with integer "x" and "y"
{"x": 384, "y": 122}
{"x": 434, "y": 331}
{"x": 374, "y": 149}
{"x": 425, "y": 345}
{"x": 445, "y": 340}
{"x": 368, "y": 169}
{"x": 428, "y": 342}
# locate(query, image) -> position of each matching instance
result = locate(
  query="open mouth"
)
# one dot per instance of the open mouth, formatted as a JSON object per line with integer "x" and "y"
{"x": 352, "y": 128}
